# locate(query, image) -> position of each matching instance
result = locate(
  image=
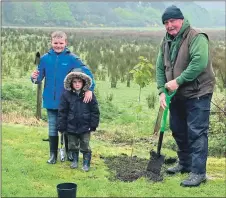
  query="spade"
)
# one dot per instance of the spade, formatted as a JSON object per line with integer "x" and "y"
{"x": 156, "y": 159}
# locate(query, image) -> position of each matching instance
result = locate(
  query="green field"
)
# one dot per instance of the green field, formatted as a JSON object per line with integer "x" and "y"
{"x": 25, "y": 172}
{"x": 126, "y": 125}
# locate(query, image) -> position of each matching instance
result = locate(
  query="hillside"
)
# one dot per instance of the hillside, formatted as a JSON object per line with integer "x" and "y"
{"x": 103, "y": 14}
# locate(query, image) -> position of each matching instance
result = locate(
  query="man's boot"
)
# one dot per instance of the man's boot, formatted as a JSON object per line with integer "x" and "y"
{"x": 68, "y": 152}
{"x": 177, "y": 169}
{"x": 193, "y": 180}
{"x": 53, "y": 147}
{"x": 75, "y": 156}
{"x": 86, "y": 161}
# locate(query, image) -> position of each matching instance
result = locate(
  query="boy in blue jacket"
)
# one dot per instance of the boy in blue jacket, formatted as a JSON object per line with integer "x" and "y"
{"x": 54, "y": 66}
{"x": 76, "y": 118}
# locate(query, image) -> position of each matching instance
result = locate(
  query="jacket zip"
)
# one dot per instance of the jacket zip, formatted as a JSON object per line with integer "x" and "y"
{"x": 54, "y": 97}
{"x": 77, "y": 110}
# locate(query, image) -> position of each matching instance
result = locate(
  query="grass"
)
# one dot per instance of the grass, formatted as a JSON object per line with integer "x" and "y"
{"x": 25, "y": 172}
{"x": 126, "y": 99}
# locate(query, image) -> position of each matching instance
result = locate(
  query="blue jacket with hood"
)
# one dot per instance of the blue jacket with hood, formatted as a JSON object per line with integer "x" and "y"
{"x": 54, "y": 67}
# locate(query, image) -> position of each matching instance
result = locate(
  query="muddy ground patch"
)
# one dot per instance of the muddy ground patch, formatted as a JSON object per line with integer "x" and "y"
{"x": 128, "y": 169}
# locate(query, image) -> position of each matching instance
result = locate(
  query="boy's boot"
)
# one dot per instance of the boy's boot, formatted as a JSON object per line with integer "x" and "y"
{"x": 75, "y": 160}
{"x": 68, "y": 152}
{"x": 53, "y": 147}
{"x": 86, "y": 161}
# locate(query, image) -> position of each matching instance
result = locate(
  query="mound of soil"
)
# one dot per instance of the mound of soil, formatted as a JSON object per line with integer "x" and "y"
{"x": 128, "y": 169}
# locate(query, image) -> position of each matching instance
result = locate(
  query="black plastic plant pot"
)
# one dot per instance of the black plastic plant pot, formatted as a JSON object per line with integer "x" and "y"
{"x": 66, "y": 190}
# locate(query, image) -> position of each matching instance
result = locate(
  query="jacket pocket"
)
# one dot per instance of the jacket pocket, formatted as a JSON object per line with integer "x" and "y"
{"x": 70, "y": 118}
{"x": 193, "y": 86}
{"x": 86, "y": 117}
{"x": 196, "y": 85}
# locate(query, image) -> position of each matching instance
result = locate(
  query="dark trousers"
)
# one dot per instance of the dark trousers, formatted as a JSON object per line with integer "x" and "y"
{"x": 79, "y": 142}
{"x": 189, "y": 122}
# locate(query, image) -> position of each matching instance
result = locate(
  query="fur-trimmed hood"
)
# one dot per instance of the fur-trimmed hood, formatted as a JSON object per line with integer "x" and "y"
{"x": 75, "y": 73}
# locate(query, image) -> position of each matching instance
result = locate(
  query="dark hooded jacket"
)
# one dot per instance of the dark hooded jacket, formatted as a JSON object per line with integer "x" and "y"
{"x": 75, "y": 116}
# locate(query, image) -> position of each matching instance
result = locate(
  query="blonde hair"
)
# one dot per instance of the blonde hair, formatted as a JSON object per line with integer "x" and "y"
{"x": 59, "y": 34}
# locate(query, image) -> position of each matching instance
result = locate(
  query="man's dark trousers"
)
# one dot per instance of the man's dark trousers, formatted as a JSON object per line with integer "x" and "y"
{"x": 189, "y": 122}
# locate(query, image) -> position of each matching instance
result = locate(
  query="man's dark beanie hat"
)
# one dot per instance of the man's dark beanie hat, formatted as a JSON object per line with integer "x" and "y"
{"x": 172, "y": 12}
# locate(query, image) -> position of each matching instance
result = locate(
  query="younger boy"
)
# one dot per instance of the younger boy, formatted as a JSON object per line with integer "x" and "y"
{"x": 76, "y": 118}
